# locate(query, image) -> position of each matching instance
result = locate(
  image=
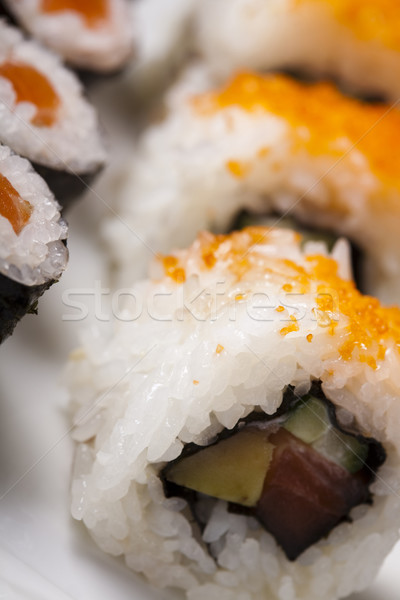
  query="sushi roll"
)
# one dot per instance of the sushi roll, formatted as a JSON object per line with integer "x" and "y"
{"x": 355, "y": 41}
{"x": 95, "y": 35}
{"x": 237, "y": 424}
{"x": 44, "y": 116}
{"x": 264, "y": 143}
{"x": 33, "y": 252}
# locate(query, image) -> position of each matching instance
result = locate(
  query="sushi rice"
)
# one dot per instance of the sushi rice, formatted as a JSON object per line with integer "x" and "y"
{"x": 38, "y": 253}
{"x": 198, "y": 347}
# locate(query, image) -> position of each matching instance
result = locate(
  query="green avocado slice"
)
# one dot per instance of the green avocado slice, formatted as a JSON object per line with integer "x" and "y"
{"x": 233, "y": 469}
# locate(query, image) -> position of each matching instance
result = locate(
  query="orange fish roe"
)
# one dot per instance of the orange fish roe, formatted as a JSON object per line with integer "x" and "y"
{"x": 209, "y": 259}
{"x": 238, "y": 169}
{"x": 381, "y": 352}
{"x": 32, "y": 86}
{"x": 263, "y": 152}
{"x": 219, "y": 349}
{"x": 235, "y": 250}
{"x": 195, "y": 382}
{"x": 371, "y": 325}
{"x": 294, "y": 326}
{"x": 215, "y": 246}
{"x": 371, "y": 328}
{"x": 326, "y": 302}
{"x": 287, "y": 287}
{"x": 323, "y": 120}
{"x": 172, "y": 269}
{"x": 12, "y": 206}
{"x": 309, "y": 337}
{"x": 280, "y": 309}
{"x": 370, "y": 20}
{"x": 94, "y": 12}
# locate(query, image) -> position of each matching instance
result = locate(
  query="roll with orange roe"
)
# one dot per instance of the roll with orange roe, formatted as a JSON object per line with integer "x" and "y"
{"x": 95, "y": 35}
{"x": 237, "y": 423}
{"x": 44, "y": 115}
{"x": 355, "y": 41}
{"x": 268, "y": 144}
{"x": 33, "y": 252}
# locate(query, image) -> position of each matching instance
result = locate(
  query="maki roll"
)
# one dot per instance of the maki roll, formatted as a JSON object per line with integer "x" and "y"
{"x": 33, "y": 253}
{"x": 95, "y": 35}
{"x": 355, "y": 41}
{"x": 44, "y": 116}
{"x": 264, "y": 143}
{"x": 237, "y": 427}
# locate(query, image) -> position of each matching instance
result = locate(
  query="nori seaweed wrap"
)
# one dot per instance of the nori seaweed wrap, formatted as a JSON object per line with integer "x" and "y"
{"x": 45, "y": 117}
{"x": 33, "y": 252}
{"x": 96, "y": 35}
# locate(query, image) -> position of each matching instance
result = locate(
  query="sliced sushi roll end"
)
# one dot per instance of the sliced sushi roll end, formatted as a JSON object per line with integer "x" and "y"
{"x": 43, "y": 114}
{"x": 33, "y": 251}
{"x": 241, "y": 435}
{"x": 94, "y": 35}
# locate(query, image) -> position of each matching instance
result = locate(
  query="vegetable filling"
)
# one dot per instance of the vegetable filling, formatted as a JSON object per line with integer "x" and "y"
{"x": 299, "y": 472}
{"x": 32, "y": 86}
{"x": 12, "y": 206}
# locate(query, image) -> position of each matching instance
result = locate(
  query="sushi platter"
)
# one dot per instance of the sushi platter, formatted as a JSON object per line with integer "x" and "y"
{"x": 199, "y": 300}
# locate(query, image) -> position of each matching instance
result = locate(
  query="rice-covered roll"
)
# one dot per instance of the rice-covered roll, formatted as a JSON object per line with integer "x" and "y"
{"x": 356, "y": 41}
{"x": 94, "y": 34}
{"x": 264, "y": 143}
{"x": 33, "y": 253}
{"x": 236, "y": 426}
{"x": 44, "y": 116}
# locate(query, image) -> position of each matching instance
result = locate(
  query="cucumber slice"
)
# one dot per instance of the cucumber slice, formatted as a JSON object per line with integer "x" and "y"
{"x": 311, "y": 424}
{"x": 345, "y": 450}
{"x": 309, "y": 421}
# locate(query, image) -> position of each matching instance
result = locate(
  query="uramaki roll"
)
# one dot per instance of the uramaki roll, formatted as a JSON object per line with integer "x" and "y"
{"x": 247, "y": 377}
{"x": 264, "y": 143}
{"x": 355, "y": 41}
{"x": 44, "y": 115}
{"x": 33, "y": 253}
{"x": 94, "y": 34}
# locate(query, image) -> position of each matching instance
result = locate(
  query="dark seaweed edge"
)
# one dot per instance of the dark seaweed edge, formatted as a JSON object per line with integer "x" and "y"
{"x": 6, "y": 15}
{"x": 66, "y": 186}
{"x": 376, "y": 453}
{"x": 16, "y": 300}
{"x": 304, "y": 74}
{"x": 92, "y": 77}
